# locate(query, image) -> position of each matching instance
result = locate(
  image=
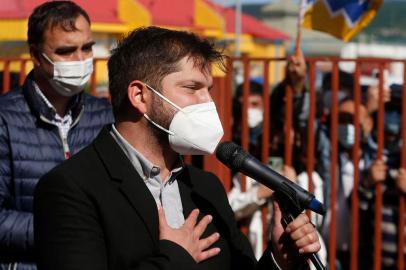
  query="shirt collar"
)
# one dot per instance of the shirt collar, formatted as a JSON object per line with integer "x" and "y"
{"x": 143, "y": 166}
{"x": 50, "y": 106}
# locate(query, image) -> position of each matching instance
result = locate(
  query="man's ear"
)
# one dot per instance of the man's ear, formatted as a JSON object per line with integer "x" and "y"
{"x": 35, "y": 55}
{"x": 137, "y": 96}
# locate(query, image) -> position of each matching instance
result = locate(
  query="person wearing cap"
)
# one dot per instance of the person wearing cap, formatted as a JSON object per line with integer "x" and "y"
{"x": 45, "y": 121}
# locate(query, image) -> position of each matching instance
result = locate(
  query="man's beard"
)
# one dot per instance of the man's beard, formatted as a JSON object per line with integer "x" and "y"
{"x": 161, "y": 116}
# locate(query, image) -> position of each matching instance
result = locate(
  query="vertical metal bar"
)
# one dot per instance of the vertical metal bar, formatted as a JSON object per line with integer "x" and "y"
{"x": 210, "y": 163}
{"x": 238, "y": 25}
{"x": 333, "y": 170}
{"x": 288, "y": 125}
{"x": 244, "y": 116}
{"x": 265, "y": 144}
{"x": 265, "y": 124}
{"x": 226, "y": 98}
{"x": 401, "y": 225}
{"x": 6, "y": 76}
{"x": 229, "y": 113}
{"x": 93, "y": 81}
{"x": 378, "y": 187}
{"x": 310, "y": 127}
{"x": 23, "y": 67}
{"x": 356, "y": 159}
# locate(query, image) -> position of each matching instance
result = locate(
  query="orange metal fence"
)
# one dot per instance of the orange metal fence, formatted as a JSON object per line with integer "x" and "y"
{"x": 222, "y": 94}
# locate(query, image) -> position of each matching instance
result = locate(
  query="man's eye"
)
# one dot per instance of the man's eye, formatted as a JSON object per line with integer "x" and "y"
{"x": 87, "y": 49}
{"x": 64, "y": 52}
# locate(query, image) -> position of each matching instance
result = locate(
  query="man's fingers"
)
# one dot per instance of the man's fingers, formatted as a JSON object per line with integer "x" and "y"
{"x": 306, "y": 240}
{"x": 302, "y": 232}
{"x": 192, "y": 219}
{"x": 201, "y": 227}
{"x": 161, "y": 218}
{"x": 297, "y": 223}
{"x": 313, "y": 248}
{"x": 277, "y": 214}
{"x": 208, "y": 254}
{"x": 208, "y": 241}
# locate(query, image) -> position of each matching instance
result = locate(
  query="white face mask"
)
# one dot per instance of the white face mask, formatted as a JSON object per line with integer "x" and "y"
{"x": 194, "y": 130}
{"x": 255, "y": 117}
{"x": 70, "y": 77}
{"x": 346, "y": 135}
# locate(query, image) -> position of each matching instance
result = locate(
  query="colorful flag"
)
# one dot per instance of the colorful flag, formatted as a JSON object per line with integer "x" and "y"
{"x": 340, "y": 18}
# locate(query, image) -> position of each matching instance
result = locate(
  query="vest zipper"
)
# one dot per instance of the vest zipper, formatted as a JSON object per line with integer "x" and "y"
{"x": 65, "y": 145}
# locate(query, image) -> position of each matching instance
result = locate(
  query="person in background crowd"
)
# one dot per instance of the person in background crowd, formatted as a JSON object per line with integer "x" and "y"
{"x": 128, "y": 202}
{"x": 345, "y": 91}
{"x": 345, "y": 175}
{"x": 295, "y": 77}
{"x": 388, "y": 172}
{"x": 255, "y": 116}
{"x": 46, "y": 121}
{"x": 322, "y": 125}
{"x": 246, "y": 205}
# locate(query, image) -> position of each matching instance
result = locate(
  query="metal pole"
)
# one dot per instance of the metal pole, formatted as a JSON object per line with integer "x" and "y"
{"x": 238, "y": 10}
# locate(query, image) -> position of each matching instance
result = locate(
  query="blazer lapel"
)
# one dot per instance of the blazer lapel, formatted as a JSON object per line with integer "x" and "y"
{"x": 189, "y": 195}
{"x": 132, "y": 186}
{"x": 185, "y": 190}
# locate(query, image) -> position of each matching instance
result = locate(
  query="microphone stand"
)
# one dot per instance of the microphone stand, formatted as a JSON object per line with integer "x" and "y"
{"x": 291, "y": 209}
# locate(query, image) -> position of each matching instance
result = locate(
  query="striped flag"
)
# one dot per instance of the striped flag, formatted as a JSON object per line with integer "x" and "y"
{"x": 340, "y": 18}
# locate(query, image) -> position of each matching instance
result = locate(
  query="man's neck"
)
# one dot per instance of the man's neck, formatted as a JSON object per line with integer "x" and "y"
{"x": 59, "y": 102}
{"x": 142, "y": 139}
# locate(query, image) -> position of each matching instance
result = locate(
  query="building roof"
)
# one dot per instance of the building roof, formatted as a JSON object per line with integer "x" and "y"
{"x": 99, "y": 11}
{"x": 171, "y": 13}
{"x": 249, "y": 25}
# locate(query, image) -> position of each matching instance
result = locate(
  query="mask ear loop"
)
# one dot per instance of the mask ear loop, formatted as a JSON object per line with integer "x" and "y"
{"x": 158, "y": 126}
{"x": 167, "y": 100}
{"x": 163, "y": 97}
{"x": 47, "y": 58}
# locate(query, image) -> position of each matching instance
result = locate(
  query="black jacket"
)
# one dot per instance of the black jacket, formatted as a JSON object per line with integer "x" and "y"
{"x": 95, "y": 212}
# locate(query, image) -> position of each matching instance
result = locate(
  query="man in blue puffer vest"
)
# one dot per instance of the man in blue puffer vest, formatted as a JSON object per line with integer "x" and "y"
{"x": 46, "y": 121}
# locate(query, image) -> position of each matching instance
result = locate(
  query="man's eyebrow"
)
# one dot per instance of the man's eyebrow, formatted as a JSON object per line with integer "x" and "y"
{"x": 63, "y": 49}
{"x": 195, "y": 82}
{"x": 89, "y": 44}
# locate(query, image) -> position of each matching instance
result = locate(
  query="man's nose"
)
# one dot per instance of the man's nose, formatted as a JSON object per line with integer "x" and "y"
{"x": 79, "y": 55}
{"x": 204, "y": 96}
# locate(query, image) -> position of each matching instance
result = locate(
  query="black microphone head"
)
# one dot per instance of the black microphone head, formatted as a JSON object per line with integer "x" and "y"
{"x": 231, "y": 155}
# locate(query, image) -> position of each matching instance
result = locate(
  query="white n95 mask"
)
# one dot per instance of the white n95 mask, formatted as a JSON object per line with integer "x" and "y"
{"x": 255, "y": 117}
{"x": 194, "y": 130}
{"x": 70, "y": 77}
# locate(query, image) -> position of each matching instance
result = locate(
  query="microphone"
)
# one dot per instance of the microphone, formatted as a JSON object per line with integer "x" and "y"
{"x": 234, "y": 157}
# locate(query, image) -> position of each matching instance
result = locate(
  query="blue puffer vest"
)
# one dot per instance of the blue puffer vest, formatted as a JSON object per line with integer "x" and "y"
{"x": 29, "y": 147}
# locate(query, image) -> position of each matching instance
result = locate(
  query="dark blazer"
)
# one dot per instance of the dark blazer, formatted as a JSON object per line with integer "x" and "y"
{"x": 95, "y": 212}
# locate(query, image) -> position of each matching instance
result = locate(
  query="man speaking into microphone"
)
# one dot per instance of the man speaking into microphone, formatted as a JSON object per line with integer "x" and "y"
{"x": 128, "y": 201}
